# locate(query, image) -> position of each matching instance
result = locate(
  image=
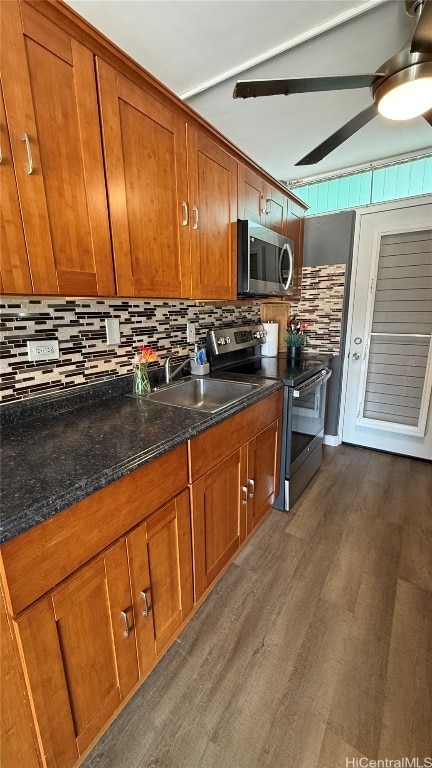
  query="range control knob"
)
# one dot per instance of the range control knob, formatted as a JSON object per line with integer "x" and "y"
{"x": 221, "y": 341}
{"x": 260, "y": 335}
{"x": 227, "y": 340}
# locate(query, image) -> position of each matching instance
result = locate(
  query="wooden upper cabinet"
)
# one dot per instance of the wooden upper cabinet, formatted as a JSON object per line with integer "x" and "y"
{"x": 251, "y": 196}
{"x": 14, "y": 268}
{"x": 146, "y": 162}
{"x": 260, "y": 202}
{"x": 276, "y": 209}
{"x": 79, "y": 655}
{"x": 213, "y": 218}
{"x": 52, "y": 112}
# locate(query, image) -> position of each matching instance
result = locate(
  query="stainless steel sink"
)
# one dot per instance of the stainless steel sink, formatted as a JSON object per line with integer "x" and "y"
{"x": 202, "y": 394}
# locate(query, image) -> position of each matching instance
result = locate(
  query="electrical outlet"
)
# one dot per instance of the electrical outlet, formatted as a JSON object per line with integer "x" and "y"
{"x": 112, "y": 325}
{"x": 191, "y": 333}
{"x": 43, "y": 350}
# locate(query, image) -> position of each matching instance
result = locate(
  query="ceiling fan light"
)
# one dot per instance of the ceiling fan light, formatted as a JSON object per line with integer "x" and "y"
{"x": 406, "y": 94}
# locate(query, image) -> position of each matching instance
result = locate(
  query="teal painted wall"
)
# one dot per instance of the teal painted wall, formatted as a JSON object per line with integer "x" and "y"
{"x": 406, "y": 179}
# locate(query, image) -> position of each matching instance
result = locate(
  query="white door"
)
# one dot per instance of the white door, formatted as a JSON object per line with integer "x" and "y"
{"x": 389, "y": 373}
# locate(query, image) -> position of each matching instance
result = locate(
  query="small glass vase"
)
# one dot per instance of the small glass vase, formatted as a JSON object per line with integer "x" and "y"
{"x": 141, "y": 381}
{"x": 294, "y": 355}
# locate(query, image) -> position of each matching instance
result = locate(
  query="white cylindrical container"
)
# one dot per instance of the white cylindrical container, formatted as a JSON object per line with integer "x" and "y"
{"x": 270, "y": 348}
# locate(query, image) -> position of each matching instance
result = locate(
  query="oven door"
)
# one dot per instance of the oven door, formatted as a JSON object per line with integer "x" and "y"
{"x": 306, "y": 420}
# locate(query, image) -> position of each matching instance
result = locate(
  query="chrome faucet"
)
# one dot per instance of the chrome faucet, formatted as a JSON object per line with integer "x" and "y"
{"x": 167, "y": 365}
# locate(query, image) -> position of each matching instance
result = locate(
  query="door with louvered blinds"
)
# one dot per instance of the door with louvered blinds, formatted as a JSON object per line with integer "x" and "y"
{"x": 389, "y": 382}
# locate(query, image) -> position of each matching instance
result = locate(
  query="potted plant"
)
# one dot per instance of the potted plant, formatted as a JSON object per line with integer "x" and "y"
{"x": 295, "y": 339}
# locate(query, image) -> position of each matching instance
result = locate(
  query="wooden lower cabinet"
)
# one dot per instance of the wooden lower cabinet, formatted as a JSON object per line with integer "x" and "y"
{"x": 263, "y": 472}
{"x": 230, "y": 498}
{"x": 86, "y": 644}
{"x": 17, "y": 735}
{"x": 76, "y": 650}
{"x": 160, "y": 560}
{"x": 219, "y": 518}
{"x": 79, "y": 656}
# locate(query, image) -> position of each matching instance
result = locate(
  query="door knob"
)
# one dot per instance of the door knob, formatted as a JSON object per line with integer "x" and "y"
{"x": 356, "y": 356}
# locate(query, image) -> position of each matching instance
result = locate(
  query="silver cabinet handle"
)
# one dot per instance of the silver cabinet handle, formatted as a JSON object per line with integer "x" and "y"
{"x": 25, "y": 139}
{"x": 128, "y": 628}
{"x": 268, "y": 208}
{"x": 251, "y": 488}
{"x": 146, "y": 610}
{"x": 185, "y": 209}
{"x": 263, "y": 204}
{"x": 196, "y": 216}
{"x": 245, "y": 491}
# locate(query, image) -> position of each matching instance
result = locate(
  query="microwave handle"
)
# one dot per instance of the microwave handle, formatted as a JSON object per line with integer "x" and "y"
{"x": 287, "y": 284}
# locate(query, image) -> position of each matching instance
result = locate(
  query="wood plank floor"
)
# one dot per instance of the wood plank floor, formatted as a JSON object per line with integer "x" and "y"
{"x": 316, "y": 645}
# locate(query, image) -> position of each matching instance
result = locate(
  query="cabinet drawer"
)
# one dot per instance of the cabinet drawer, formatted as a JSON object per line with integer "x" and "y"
{"x": 37, "y": 560}
{"x": 211, "y": 447}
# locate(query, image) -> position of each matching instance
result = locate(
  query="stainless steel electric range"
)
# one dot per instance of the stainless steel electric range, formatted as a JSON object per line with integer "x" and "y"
{"x": 235, "y": 352}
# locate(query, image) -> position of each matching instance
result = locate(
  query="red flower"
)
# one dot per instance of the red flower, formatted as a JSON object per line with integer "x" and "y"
{"x": 146, "y": 355}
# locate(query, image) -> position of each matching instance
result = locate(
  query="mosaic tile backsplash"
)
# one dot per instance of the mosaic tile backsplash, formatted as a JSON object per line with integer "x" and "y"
{"x": 79, "y": 327}
{"x": 85, "y": 357}
{"x": 321, "y": 306}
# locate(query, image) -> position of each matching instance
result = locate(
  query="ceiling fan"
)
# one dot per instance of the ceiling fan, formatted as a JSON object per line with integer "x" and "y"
{"x": 401, "y": 87}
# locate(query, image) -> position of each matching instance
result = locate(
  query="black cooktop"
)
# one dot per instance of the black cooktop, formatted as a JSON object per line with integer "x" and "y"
{"x": 276, "y": 368}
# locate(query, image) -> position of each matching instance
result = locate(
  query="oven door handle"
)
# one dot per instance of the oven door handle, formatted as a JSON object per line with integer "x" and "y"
{"x": 316, "y": 382}
{"x": 286, "y": 285}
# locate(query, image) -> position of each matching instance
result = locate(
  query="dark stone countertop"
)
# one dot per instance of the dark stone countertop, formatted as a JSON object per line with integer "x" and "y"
{"x": 55, "y": 459}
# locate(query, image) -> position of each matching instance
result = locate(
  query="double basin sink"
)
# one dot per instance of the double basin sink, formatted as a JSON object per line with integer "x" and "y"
{"x": 201, "y": 394}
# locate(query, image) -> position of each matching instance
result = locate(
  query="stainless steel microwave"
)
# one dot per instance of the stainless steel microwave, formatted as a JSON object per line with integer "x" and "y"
{"x": 265, "y": 261}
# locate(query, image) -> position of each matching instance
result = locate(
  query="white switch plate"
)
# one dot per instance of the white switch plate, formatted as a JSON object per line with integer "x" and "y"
{"x": 191, "y": 332}
{"x": 112, "y": 325}
{"x": 43, "y": 350}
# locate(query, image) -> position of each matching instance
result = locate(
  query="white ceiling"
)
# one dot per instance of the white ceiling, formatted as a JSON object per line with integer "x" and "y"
{"x": 199, "y": 48}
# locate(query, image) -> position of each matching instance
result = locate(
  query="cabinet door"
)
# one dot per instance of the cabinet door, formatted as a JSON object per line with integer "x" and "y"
{"x": 276, "y": 205}
{"x": 263, "y": 458}
{"x": 79, "y": 654}
{"x": 213, "y": 199}
{"x": 15, "y": 271}
{"x": 51, "y": 102}
{"x": 146, "y": 162}
{"x": 160, "y": 561}
{"x": 17, "y": 739}
{"x": 251, "y": 196}
{"x": 219, "y": 518}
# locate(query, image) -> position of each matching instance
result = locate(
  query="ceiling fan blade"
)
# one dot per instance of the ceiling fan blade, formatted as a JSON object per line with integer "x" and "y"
{"x": 282, "y": 86}
{"x": 339, "y": 136}
{"x": 428, "y": 117}
{"x": 422, "y": 38}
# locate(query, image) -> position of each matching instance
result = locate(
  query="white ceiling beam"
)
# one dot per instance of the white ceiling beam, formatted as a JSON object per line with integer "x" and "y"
{"x": 319, "y": 29}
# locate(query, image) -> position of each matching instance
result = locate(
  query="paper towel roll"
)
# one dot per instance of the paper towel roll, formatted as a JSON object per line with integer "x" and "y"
{"x": 270, "y": 348}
